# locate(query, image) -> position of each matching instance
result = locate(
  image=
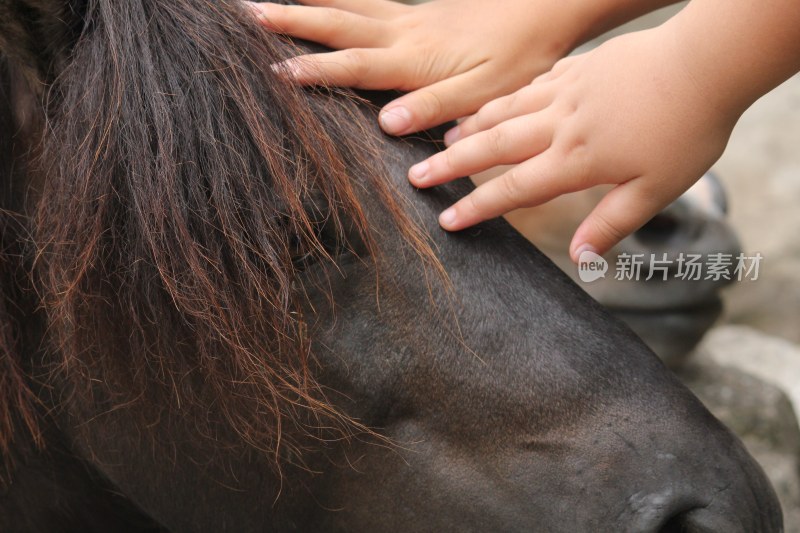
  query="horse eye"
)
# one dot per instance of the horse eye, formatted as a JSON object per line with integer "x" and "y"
{"x": 302, "y": 260}
{"x": 327, "y": 235}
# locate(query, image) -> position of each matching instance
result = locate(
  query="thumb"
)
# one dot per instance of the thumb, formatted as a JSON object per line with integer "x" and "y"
{"x": 622, "y": 211}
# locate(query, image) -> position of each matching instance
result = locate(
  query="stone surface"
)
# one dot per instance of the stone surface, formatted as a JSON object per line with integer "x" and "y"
{"x": 761, "y": 170}
{"x": 751, "y": 381}
{"x": 771, "y": 359}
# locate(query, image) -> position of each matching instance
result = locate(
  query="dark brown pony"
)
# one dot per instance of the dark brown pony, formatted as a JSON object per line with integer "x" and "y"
{"x": 184, "y": 186}
{"x": 218, "y": 313}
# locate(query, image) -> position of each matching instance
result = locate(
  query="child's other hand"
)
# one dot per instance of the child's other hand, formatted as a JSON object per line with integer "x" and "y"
{"x": 628, "y": 113}
{"x": 455, "y": 55}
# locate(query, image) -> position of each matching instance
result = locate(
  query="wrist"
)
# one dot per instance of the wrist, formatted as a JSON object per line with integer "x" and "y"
{"x": 737, "y": 54}
{"x": 596, "y": 17}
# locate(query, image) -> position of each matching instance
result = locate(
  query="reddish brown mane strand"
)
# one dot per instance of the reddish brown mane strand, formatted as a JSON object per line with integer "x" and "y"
{"x": 183, "y": 178}
{"x": 17, "y": 401}
{"x": 18, "y": 404}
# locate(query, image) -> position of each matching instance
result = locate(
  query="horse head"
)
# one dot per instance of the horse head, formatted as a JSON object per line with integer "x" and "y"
{"x": 251, "y": 321}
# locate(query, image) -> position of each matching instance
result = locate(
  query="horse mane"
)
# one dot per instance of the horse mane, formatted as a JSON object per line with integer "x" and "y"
{"x": 18, "y": 403}
{"x": 186, "y": 184}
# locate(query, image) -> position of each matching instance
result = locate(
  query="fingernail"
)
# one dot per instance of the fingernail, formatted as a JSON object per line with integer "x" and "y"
{"x": 256, "y": 9}
{"x": 395, "y": 120}
{"x": 288, "y": 69}
{"x": 581, "y": 249}
{"x": 452, "y": 135}
{"x": 448, "y": 217}
{"x": 419, "y": 172}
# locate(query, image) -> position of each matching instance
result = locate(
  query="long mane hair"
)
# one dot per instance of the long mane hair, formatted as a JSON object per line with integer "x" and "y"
{"x": 186, "y": 182}
{"x": 18, "y": 404}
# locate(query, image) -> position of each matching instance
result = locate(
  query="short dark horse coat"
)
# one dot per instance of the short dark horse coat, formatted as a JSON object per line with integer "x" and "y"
{"x": 224, "y": 309}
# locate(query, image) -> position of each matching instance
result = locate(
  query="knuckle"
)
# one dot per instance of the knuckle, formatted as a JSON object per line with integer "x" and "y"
{"x": 430, "y": 105}
{"x": 576, "y": 156}
{"x": 583, "y": 166}
{"x": 483, "y": 119}
{"x": 512, "y": 100}
{"x": 356, "y": 61}
{"x": 510, "y": 187}
{"x": 541, "y": 78}
{"x": 452, "y": 159}
{"x": 608, "y": 229}
{"x": 475, "y": 204}
{"x": 496, "y": 141}
{"x": 572, "y": 146}
{"x": 335, "y": 20}
{"x": 275, "y": 15}
{"x": 560, "y": 66}
{"x": 570, "y": 106}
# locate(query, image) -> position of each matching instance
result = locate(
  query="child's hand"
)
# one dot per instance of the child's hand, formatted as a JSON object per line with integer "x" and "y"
{"x": 628, "y": 113}
{"x": 455, "y": 55}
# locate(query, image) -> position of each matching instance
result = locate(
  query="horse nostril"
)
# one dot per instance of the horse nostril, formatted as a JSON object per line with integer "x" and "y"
{"x": 702, "y": 520}
{"x": 681, "y": 524}
{"x": 675, "y": 524}
{"x": 659, "y": 230}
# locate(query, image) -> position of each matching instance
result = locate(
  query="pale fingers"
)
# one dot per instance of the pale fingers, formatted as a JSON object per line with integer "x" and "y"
{"x": 529, "y": 99}
{"x": 362, "y": 68}
{"x": 369, "y": 8}
{"x": 510, "y": 142}
{"x": 440, "y": 102}
{"x": 333, "y": 28}
{"x": 529, "y": 184}
{"x": 625, "y": 209}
